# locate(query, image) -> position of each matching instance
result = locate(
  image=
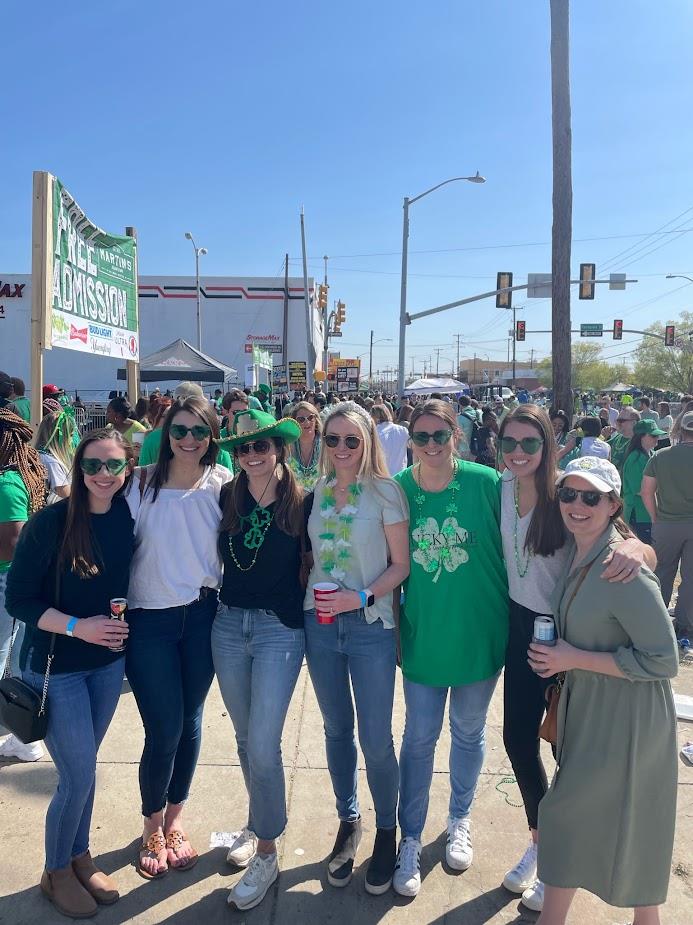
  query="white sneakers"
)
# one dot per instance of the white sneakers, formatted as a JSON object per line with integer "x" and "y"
{"x": 242, "y": 849}
{"x": 253, "y": 885}
{"x": 13, "y": 748}
{"x": 523, "y": 879}
{"x": 458, "y": 851}
{"x": 407, "y": 877}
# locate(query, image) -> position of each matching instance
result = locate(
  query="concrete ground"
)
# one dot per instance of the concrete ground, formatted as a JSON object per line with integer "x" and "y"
{"x": 301, "y": 894}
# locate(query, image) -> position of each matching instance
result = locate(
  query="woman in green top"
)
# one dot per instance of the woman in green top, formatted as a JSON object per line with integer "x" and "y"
{"x": 304, "y": 454}
{"x": 453, "y": 629}
{"x": 607, "y": 822}
{"x": 646, "y": 436}
{"x": 121, "y": 415}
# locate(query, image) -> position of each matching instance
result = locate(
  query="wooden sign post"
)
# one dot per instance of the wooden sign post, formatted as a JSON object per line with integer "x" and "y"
{"x": 41, "y": 284}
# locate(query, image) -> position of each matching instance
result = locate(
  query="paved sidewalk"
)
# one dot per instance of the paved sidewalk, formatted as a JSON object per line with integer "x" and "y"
{"x": 301, "y": 895}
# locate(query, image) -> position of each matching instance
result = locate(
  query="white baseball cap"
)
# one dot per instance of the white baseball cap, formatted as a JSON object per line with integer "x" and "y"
{"x": 600, "y": 473}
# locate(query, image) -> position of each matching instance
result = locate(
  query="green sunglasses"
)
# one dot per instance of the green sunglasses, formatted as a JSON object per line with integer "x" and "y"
{"x": 199, "y": 431}
{"x": 529, "y": 445}
{"x": 441, "y": 437}
{"x": 92, "y": 466}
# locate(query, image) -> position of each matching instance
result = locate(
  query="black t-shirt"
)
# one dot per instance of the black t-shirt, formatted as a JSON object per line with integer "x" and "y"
{"x": 272, "y": 583}
{"x": 31, "y": 584}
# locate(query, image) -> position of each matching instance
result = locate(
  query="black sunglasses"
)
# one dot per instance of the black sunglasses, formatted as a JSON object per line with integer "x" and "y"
{"x": 569, "y": 496}
{"x": 261, "y": 447}
{"x": 421, "y": 437}
{"x": 352, "y": 442}
{"x": 529, "y": 445}
{"x": 199, "y": 431}
{"x": 92, "y": 466}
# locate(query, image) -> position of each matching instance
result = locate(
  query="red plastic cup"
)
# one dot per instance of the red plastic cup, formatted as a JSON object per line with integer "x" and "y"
{"x": 324, "y": 592}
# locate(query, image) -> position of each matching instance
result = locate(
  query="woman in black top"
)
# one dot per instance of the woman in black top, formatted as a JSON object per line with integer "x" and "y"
{"x": 257, "y": 636}
{"x": 72, "y": 558}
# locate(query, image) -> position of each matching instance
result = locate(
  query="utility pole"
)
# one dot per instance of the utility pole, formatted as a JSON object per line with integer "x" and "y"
{"x": 562, "y": 203}
{"x": 474, "y": 373}
{"x": 437, "y": 349}
{"x": 326, "y": 328}
{"x": 310, "y": 351}
{"x": 531, "y": 358}
{"x": 370, "y": 361}
{"x": 513, "y": 337}
{"x": 457, "y": 368}
{"x": 285, "y": 325}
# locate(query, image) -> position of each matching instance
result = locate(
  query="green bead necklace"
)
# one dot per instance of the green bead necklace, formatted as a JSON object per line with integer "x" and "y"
{"x": 521, "y": 566}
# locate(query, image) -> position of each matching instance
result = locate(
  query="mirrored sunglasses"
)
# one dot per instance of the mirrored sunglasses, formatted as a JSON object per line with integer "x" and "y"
{"x": 352, "y": 442}
{"x": 305, "y": 418}
{"x": 421, "y": 437}
{"x": 261, "y": 447}
{"x": 92, "y": 466}
{"x": 530, "y": 445}
{"x": 589, "y": 497}
{"x": 199, "y": 431}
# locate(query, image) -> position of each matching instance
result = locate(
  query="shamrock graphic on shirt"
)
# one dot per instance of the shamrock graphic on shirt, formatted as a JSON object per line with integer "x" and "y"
{"x": 439, "y": 548}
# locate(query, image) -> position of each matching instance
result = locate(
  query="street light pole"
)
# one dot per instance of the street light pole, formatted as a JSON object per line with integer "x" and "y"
{"x": 199, "y": 252}
{"x": 370, "y": 361}
{"x": 477, "y": 178}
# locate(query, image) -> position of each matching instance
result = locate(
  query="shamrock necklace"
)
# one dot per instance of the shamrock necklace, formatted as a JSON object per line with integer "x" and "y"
{"x": 435, "y": 558}
{"x": 258, "y": 523}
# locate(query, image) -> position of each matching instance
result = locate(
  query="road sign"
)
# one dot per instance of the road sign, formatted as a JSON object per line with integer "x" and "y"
{"x": 538, "y": 285}
{"x": 617, "y": 280}
{"x": 591, "y": 330}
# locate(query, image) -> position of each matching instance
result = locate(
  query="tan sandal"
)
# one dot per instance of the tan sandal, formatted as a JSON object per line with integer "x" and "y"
{"x": 174, "y": 841}
{"x": 155, "y": 844}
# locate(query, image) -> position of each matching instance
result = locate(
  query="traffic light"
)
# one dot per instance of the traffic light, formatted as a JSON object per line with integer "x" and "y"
{"x": 340, "y": 316}
{"x": 588, "y": 274}
{"x": 504, "y": 299}
{"x": 618, "y": 329}
{"x": 322, "y": 296}
{"x": 669, "y": 335}
{"x": 519, "y": 330}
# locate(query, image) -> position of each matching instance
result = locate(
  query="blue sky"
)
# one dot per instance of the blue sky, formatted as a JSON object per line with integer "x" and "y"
{"x": 226, "y": 118}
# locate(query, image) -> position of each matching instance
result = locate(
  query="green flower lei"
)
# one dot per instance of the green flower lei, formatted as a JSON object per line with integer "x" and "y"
{"x": 335, "y": 545}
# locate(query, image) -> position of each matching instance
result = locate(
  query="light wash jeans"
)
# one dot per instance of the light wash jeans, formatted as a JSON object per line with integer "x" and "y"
{"x": 81, "y": 705}
{"x": 365, "y": 653}
{"x": 257, "y": 660}
{"x": 6, "y": 633}
{"x": 424, "y": 720}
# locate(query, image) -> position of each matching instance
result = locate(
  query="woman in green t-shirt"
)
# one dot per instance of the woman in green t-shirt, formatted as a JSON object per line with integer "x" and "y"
{"x": 453, "y": 629}
{"x": 646, "y": 436}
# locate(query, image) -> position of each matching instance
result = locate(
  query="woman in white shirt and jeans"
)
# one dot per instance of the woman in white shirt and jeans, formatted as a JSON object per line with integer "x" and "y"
{"x": 172, "y": 601}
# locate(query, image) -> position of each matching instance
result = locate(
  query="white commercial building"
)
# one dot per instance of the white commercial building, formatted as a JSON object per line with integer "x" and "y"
{"x": 237, "y": 313}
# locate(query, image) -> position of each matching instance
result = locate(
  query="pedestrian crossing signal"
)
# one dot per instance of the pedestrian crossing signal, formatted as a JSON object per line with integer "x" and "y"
{"x": 618, "y": 329}
{"x": 520, "y": 330}
{"x": 669, "y": 335}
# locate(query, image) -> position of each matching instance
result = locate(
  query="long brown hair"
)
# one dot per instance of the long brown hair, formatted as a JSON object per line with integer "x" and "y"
{"x": 78, "y": 550}
{"x": 288, "y": 514}
{"x": 546, "y": 531}
{"x": 203, "y": 410}
{"x": 16, "y": 452}
{"x": 439, "y": 409}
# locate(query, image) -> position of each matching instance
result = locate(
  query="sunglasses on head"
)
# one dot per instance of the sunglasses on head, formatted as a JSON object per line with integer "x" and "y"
{"x": 421, "y": 437}
{"x": 92, "y": 466}
{"x": 589, "y": 497}
{"x": 352, "y": 442}
{"x": 199, "y": 431}
{"x": 530, "y": 445}
{"x": 261, "y": 447}
{"x": 305, "y": 418}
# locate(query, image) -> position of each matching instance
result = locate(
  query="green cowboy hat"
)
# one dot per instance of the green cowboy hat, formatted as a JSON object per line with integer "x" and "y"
{"x": 250, "y": 425}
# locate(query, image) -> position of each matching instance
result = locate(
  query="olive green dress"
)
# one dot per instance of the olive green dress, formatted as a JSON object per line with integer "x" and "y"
{"x": 607, "y": 821}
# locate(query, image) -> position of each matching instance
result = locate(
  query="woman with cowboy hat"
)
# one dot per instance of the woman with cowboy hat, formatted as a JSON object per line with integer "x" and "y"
{"x": 257, "y": 637}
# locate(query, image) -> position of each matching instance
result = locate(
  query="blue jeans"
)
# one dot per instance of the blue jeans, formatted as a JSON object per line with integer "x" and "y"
{"x": 424, "y": 719}
{"x": 351, "y": 648}
{"x": 168, "y": 662}
{"x": 257, "y": 660}
{"x": 81, "y": 705}
{"x": 6, "y": 633}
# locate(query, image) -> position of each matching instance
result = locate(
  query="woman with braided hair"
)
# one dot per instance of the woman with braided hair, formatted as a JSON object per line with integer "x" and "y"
{"x": 22, "y": 492}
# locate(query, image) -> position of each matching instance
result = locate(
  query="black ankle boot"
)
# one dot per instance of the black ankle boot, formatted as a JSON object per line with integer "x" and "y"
{"x": 340, "y": 864}
{"x": 382, "y": 863}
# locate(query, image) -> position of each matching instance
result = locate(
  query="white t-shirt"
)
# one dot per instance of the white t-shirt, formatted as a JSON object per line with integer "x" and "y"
{"x": 58, "y": 476}
{"x": 394, "y": 439}
{"x": 595, "y": 446}
{"x": 532, "y": 590}
{"x": 176, "y": 540}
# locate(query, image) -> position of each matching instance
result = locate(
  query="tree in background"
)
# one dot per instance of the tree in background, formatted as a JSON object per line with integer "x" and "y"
{"x": 667, "y": 368}
{"x": 589, "y": 370}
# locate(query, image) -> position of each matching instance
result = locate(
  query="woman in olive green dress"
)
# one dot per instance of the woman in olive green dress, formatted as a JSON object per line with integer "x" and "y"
{"x": 607, "y": 822}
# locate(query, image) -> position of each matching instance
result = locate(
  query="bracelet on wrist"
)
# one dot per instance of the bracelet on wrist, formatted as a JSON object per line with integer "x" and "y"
{"x": 70, "y": 626}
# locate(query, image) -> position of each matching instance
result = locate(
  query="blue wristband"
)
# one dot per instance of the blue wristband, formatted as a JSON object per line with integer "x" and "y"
{"x": 364, "y": 598}
{"x": 71, "y": 623}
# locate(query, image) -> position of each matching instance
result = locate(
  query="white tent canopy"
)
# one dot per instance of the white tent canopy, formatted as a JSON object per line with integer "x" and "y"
{"x": 618, "y": 387}
{"x": 443, "y": 384}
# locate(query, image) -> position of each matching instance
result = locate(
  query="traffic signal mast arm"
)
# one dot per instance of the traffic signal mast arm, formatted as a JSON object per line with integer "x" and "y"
{"x": 494, "y": 292}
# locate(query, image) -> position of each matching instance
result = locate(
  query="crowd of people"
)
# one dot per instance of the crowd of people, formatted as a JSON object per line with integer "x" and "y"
{"x": 438, "y": 534}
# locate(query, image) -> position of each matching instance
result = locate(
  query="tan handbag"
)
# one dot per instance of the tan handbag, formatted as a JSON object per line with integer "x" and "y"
{"x": 549, "y": 727}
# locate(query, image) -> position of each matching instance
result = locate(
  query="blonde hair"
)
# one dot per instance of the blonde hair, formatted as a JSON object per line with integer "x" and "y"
{"x": 373, "y": 464}
{"x": 55, "y": 435}
{"x": 310, "y": 409}
{"x": 381, "y": 414}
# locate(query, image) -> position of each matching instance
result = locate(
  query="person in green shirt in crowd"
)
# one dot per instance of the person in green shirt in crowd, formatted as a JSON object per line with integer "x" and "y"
{"x": 453, "y": 630}
{"x": 621, "y": 434}
{"x": 22, "y": 491}
{"x": 645, "y": 438}
{"x": 20, "y": 403}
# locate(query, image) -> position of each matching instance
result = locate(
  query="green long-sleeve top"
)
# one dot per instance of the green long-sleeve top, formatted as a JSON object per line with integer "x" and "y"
{"x": 633, "y": 469}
